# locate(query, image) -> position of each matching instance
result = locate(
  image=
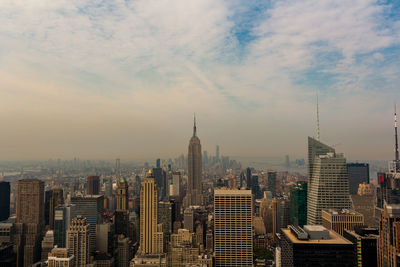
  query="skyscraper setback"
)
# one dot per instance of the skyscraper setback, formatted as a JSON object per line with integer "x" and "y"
{"x": 328, "y": 186}
{"x": 194, "y": 193}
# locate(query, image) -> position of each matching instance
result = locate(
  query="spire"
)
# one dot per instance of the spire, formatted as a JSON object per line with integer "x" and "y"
{"x": 194, "y": 124}
{"x": 317, "y": 119}
{"x": 396, "y": 148}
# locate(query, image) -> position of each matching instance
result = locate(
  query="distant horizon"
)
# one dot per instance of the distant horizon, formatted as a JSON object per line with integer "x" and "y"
{"x": 123, "y": 79}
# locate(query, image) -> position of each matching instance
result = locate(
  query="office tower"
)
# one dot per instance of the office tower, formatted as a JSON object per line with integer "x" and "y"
{"x": 176, "y": 185}
{"x": 158, "y": 163}
{"x": 364, "y": 203}
{"x": 194, "y": 191}
{"x": 92, "y": 185}
{"x": 63, "y": 216}
{"x": 122, "y": 212}
{"x": 205, "y": 158}
{"x": 188, "y": 219}
{"x": 217, "y": 153}
{"x": 388, "y": 241}
{"x": 358, "y": 174}
{"x": 158, "y": 178}
{"x": 30, "y": 221}
{"x": 287, "y": 161}
{"x": 47, "y": 244}
{"x": 4, "y": 200}
{"x": 105, "y": 233}
{"x": 166, "y": 216}
{"x": 149, "y": 234}
{"x": 271, "y": 174}
{"x": 233, "y": 229}
{"x": 365, "y": 240}
{"x": 298, "y": 204}
{"x": 328, "y": 186}
{"x": 53, "y": 198}
{"x": 122, "y": 195}
{"x": 78, "y": 236}
{"x": 255, "y": 187}
{"x": 61, "y": 257}
{"x": 339, "y": 220}
{"x": 118, "y": 167}
{"x": 274, "y": 217}
{"x": 314, "y": 245}
{"x": 124, "y": 255}
{"x": 92, "y": 208}
{"x": 249, "y": 177}
{"x": 388, "y": 191}
{"x": 108, "y": 187}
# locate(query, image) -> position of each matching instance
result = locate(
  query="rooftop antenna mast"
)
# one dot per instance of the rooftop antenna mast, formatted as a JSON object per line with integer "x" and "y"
{"x": 318, "y": 133}
{"x": 396, "y": 148}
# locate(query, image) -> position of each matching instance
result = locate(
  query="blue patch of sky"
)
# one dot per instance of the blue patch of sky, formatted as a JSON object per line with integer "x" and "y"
{"x": 245, "y": 16}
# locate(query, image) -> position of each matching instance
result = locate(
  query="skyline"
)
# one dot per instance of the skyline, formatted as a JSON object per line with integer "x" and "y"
{"x": 122, "y": 79}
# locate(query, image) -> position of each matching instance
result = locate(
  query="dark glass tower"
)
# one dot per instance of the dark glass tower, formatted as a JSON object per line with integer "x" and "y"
{"x": 298, "y": 204}
{"x": 358, "y": 174}
{"x": 4, "y": 200}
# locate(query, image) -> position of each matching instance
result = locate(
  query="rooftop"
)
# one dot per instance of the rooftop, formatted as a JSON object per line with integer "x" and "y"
{"x": 334, "y": 238}
{"x": 225, "y": 191}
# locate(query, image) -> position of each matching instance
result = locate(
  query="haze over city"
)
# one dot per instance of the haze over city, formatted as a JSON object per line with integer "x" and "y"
{"x": 122, "y": 79}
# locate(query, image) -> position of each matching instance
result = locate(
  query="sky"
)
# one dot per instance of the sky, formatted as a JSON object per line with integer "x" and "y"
{"x": 106, "y": 79}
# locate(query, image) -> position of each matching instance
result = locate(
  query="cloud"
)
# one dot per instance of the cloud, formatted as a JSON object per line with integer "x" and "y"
{"x": 240, "y": 64}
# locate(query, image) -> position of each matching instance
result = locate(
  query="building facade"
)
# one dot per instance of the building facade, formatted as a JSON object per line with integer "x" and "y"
{"x": 339, "y": 220}
{"x": 78, "y": 240}
{"x": 233, "y": 227}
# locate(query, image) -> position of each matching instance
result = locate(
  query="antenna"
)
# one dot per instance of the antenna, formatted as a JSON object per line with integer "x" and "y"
{"x": 396, "y": 148}
{"x": 194, "y": 124}
{"x": 318, "y": 133}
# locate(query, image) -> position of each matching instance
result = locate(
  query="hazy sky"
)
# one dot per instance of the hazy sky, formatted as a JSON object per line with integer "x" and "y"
{"x": 106, "y": 79}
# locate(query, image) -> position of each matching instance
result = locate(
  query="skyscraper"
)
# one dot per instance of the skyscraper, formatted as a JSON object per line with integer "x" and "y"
{"x": 194, "y": 192}
{"x": 78, "y": 240}
{"x": 4, "y": 200}
{"x": 149, "y": 234}
{"x": 122, "y": 212}
{"x": 358, "y": 174}
{"x": 298, "y": 204}
{"x": 63, "y": 216}
{"x": 93, "y": 185}
{"x": 30, "y": 220}
{"x": 388, "y": 240}
{"x": 272, "y": 182}
{"x": 217, "y": 153}
{"x": 92, "y": 208}
{"x": 249, "y": 181}
{"x": 328, "y": 186}
{"x": 233, "y": 229}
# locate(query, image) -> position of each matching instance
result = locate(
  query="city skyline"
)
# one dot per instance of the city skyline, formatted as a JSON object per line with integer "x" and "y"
{"x": 103, "y": 80}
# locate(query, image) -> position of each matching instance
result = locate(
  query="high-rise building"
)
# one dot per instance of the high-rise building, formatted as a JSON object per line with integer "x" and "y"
{"x": 249, "y": 180}
{"x": 61, "y": 257}
{"x": 339, "y": 220}
{"x": 122, "y": 212}
{"x": 124, "y": 255}
{"x": 4, "y": 200}
{"x": 30, "y": 221}
{"x": 47, "y": 244}
{"x": 365, "y": 245}
{"x": 175, "y": 187}
{"x": 271, "y": 174}
{"x": 314, "y": 245}
{"x": 194, "y": 189}
{"x": 92, "y": 185}
{"x": 78, "y": 243}
{"x": 53, "y": 198}
{"x": 233, "y": 227}
{"x": 389, "y": 232}
{"x": 298, "y": 204}
{"x": 364, "y": 203}
{"x": 328, "y": 186}
{"x": 149, "y": 234}
{"x": 90, "y": 207}
{"x": 63, "y": 216}
{"x": 166, "y": 215}
{"x": 217, "y": 153}
{"x": 105, "y": 237}
{"x": 358, "y": 174}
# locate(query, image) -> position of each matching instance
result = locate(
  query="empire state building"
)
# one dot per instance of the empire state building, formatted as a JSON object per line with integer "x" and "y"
{"x": 194, "y": 192}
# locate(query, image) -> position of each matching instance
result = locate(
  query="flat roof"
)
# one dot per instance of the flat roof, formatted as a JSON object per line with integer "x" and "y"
{"x": 334, "y": 239}
{"x": 231, "y": 192}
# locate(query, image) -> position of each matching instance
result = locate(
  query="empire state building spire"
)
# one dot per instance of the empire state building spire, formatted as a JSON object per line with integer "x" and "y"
{"x": 396, "y": 148}
{"x": 194, "y": 125}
